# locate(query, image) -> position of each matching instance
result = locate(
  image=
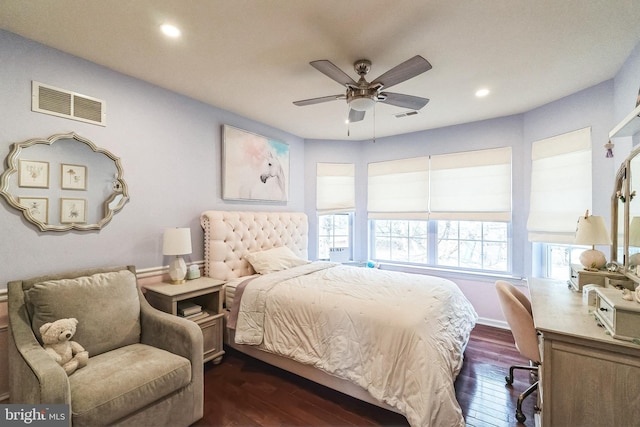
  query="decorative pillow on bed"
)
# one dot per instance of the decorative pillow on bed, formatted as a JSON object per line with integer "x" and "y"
{"x": 274, "y": 259}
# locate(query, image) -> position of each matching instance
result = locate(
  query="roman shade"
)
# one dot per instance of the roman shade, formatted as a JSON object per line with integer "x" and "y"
{"x": 399, "y": 189}
{"x": 560, "y": 186}
{"x": 335, "y": 188}
{"x": 471, "y": 185}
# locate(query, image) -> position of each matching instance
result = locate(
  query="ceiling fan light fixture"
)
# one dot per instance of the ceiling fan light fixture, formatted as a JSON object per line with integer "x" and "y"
{"x": 362, "y": 104}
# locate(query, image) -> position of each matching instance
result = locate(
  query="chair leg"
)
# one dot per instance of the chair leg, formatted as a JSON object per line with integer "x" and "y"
{"x": 509, "y": 379}
{"x": 519, "y": 414}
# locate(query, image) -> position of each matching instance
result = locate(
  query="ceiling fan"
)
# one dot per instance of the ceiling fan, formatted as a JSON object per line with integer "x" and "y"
{"x": 362, "y": 95}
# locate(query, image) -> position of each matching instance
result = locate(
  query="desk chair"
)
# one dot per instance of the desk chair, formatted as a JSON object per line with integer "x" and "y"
{"x": 517, "y": 310}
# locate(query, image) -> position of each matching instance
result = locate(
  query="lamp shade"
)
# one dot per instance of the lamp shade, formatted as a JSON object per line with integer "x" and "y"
{"x": 592, "y": 231}
{"x": 177, "y": 241}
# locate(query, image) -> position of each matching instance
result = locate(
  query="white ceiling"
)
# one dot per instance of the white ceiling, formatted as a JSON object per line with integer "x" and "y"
{"x": 252, "y": 57}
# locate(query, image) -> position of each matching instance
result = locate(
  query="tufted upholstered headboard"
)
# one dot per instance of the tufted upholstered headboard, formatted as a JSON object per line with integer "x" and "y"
{"x": 228, "y": 235}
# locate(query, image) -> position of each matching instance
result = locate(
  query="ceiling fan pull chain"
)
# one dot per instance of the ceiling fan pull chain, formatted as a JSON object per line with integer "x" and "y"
{"x": 374, "y": 124}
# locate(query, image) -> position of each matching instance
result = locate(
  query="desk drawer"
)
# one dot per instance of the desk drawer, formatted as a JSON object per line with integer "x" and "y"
{"x": 604, "y": 311}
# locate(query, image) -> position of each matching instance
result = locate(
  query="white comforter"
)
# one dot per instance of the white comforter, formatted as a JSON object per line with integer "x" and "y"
{"x": 400, "y": 336}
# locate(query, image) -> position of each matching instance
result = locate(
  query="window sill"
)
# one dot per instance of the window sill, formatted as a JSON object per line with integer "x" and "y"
{"x": 449, "y": 273}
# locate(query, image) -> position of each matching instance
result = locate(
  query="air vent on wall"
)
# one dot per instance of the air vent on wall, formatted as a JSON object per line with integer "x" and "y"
{"x": 63, "y": 103}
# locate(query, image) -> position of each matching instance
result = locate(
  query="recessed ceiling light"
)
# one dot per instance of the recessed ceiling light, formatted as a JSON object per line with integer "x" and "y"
{"x": 482, "y": 92}
{"x": 170, "y": 30}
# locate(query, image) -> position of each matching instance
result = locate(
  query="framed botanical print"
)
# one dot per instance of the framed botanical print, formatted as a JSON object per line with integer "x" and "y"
{"x": 73, "y": 177}
{"x": 38, "y": 208}
{"x": 33, "y": 173}
{"x": 73, "y": 211}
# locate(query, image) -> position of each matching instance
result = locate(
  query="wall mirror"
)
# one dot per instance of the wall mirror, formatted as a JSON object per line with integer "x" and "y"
{"x": 64, "y": 183}
{"x": 618, "y": 222}
{"x": 633, "y": 207}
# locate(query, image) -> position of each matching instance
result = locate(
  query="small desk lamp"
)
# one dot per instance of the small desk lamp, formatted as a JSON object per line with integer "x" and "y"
{"x": 591, "y": 231}
{"x": 177, "y": 241}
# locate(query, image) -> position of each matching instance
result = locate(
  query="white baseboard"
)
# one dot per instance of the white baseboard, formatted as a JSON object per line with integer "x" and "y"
{"x": 494, "y": 323}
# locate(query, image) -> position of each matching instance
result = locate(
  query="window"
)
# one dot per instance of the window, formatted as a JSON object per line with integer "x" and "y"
{"x": 334, "y": 231}
{"x": 400, "y": 240}
{"x": 473, "y": 245}
{"x": 335, "y": 202}
{"x": 450, "y": 210}
{"x": 468, "y": 245}
{"x": 558, "y": 260}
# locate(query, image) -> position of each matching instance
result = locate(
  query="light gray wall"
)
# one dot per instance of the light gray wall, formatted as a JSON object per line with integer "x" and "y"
{"x": 170, "y": 151}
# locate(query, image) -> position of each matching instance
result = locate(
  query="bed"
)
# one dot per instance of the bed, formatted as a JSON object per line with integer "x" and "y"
{"x": 392, "y": 339}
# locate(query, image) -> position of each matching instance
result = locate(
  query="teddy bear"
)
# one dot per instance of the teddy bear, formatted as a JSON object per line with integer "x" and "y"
{"x": 56, "y": 337}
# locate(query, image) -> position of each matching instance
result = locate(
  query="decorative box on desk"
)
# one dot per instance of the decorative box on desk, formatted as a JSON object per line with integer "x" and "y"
{"x": 619, "y": 316}
{"x": 581, "y": 277}
{"x": 204, "y": 292}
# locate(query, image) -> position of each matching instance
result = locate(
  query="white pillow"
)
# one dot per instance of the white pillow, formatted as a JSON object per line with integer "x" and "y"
{"x": 274, "y": 259}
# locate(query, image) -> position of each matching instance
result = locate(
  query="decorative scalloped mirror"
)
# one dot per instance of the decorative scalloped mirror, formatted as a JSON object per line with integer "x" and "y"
{"x": 633, "y": 208}
{"x": 618, "y": 222}
{"x": 64, "y": 183}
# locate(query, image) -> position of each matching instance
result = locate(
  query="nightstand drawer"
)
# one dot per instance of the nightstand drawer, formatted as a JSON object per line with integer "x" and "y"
{"x": 212, "y": 336}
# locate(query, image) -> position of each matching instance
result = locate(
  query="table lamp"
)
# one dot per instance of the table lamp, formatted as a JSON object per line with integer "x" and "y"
{"x": 592, "y": 231}
{"x": 177, "y": 241}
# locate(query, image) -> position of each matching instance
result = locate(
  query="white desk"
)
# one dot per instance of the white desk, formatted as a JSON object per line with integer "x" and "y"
{"x": 588, "y": 378}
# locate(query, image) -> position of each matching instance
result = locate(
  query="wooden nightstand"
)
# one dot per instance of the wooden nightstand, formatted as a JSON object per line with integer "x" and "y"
{"x": 205, "y": 292}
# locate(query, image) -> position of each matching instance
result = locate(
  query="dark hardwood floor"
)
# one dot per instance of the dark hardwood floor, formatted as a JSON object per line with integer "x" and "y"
{"x": 242, "y": 391}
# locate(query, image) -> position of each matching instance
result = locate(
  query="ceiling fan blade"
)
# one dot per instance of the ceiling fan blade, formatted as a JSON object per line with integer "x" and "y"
{"x": 333, "y": 72}
{"x": 405, "y": 71}
{"x": 355, "y": 115}
{"x": 404, "y": 101}
{"x": 318, "y": 100}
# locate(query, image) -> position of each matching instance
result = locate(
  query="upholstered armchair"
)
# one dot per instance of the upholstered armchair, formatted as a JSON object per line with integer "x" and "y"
{"x": 145, "y": 366}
